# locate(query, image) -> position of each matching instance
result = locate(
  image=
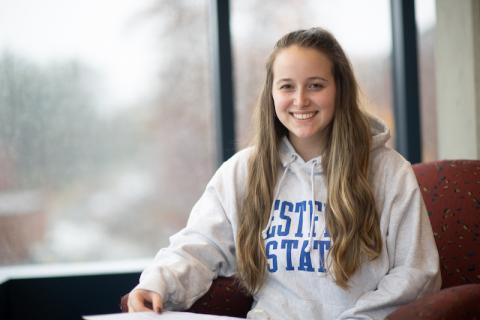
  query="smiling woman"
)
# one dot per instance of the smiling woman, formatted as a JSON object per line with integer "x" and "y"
{"x": 303, "y": 92}
{"x": 86, "y": 126}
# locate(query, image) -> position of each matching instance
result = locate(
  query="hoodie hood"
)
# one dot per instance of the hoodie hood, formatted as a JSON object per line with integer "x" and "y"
{"x": 379, "y": 130}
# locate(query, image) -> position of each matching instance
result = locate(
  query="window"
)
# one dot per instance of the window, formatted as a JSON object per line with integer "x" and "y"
{"x": 106, "y": 139}
{"x": 363, "y": 31}
{"x": 425, "y": 18}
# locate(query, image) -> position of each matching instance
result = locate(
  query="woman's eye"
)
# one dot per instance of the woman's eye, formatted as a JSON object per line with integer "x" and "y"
{"x": 286, "y": 87}
{"x": 316, "y": 86}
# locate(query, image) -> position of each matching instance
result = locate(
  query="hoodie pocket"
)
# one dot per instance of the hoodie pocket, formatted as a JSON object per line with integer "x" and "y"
{"x": 276, "y": 303}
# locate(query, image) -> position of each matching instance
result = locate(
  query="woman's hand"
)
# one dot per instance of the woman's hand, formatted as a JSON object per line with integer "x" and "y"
{"x": 144, "y": 300}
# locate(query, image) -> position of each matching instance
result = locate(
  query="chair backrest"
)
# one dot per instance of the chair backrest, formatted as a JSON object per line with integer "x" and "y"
{"x": 451, "y": 191}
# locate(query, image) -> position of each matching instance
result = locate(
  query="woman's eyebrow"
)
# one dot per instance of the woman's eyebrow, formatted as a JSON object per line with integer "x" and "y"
{"x": 283, "y": 80}
{"x": 318, "y": 78}
{"x": 309, "y": 79}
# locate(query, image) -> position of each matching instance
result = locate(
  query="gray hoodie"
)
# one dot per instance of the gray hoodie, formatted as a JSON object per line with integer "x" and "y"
{"x": 298, "y": 283}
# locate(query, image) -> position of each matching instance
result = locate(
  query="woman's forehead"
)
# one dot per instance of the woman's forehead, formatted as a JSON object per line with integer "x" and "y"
{"x": 297, "y": 61}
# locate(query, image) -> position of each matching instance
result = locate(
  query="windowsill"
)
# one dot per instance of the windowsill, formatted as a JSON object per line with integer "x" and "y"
{"x": 71, "y": 269}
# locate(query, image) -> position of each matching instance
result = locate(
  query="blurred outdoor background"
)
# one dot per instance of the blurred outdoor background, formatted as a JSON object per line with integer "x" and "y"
{"x": 106, "y": 111}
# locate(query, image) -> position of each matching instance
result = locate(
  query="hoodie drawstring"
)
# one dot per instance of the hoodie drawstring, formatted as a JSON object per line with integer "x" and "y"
{"x": 287, "y": 166}
{"x": 312, "y": 218}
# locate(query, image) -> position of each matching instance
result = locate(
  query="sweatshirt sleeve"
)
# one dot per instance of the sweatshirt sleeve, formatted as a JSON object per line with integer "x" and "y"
{"x": 203, "y": 250}
{"x": 411, "y": 250}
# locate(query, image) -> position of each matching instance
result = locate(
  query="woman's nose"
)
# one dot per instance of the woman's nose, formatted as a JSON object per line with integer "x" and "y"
{"x": 301, "y": 99}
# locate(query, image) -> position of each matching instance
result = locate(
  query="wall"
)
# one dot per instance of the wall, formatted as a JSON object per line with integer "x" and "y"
{"x": 458, "y": 78}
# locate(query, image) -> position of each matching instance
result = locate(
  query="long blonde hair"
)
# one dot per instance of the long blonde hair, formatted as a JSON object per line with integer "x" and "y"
{"x": 351, "y": 216}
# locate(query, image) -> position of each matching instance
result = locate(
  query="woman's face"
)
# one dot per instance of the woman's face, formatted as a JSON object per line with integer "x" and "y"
{"x": 303, "y": 92}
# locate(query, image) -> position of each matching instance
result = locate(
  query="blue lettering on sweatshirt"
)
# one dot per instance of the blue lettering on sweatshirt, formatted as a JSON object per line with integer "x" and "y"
{"x": 300, "y": 208}
{"x": 286, "y": 207}
{"x": 286, "y": 241}
{"x": 272, "y": 258}
{"x": 305, "y": 259}
{"x": 315, "y": 218}
{"x": 322, "y": 246}
{"x": 288, "y": 244}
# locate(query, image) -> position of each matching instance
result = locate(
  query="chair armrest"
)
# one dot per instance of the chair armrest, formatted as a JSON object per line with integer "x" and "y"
{"x": 224, "y": 298}
{"x": 455, "y": 303}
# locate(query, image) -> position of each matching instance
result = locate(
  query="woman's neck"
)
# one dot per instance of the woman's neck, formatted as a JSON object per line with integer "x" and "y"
{"x": 307, "y": 148}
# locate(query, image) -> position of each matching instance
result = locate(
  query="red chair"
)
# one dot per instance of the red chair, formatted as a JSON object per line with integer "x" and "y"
{"x": 451, "y": 190}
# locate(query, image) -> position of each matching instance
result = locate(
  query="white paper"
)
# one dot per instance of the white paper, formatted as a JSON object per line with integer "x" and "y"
{"x": 167, "y": 315}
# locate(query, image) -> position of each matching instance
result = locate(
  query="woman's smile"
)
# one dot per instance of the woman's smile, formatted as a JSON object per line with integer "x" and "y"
{"x": 303, "y": 115}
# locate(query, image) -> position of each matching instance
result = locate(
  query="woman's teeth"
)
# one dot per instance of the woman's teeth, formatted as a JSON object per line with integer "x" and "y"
{"x": 303, "y": 116}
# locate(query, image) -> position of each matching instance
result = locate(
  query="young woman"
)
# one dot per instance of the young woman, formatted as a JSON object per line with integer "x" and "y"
{"x": 319, "y": 219}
